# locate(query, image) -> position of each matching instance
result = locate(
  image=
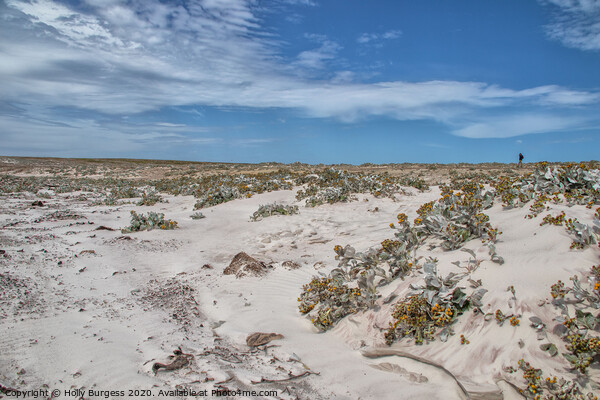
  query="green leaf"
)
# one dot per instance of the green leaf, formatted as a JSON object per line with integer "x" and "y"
{"x": 477, "y": 296}
{"x": 535, "y": 320}
{"x": 471, "y": 252}
{"x": 545, "y": 346}
{"x": 590, "y": 321}
{"x": 571, "y": 358}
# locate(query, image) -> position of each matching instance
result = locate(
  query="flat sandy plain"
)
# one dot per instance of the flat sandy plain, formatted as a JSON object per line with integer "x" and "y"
{"x": 86, "y": 308}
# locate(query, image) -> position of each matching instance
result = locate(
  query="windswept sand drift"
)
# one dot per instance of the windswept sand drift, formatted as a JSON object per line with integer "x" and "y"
{"x": 90, "y": 308}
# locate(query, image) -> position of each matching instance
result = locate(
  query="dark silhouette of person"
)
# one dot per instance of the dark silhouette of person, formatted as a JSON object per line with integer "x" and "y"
{"x": 521, "y": 157}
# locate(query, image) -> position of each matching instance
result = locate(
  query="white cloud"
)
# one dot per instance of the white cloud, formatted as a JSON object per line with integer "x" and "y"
{"x": 343, "y": 77}
{"x": 300, "y": 2}
{"x": 252, "y": 142}
{"x": 317, "y": 58}
{"x": 392, "y": 34}
{"x": 72, "y": 27}
{"x": 27, "y": 137}
{"x": 576, "y": 23}
{"x": 365, "y": 38}
{"x": 170, "y": 125}
{"x": 520, "y": 124}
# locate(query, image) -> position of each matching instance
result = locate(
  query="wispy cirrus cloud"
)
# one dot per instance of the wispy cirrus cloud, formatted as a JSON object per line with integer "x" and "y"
{"x": 518, "y": 124}
{"x": 118, "y": 58}
{"x": 300, "y": 2}
{"x": 575, "y": 23}
{"x": 317, "y": 58}
{"x": 30, "y": 137}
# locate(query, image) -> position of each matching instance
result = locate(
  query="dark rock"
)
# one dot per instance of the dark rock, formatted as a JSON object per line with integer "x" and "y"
{"x": 260, "y": 338}
{"x": 290, "y": 265}
{"x": 104, "y": 228}
{"x": 242, "y": 264}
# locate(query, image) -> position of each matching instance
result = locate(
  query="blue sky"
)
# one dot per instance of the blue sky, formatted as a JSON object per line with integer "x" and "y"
{"x": 301, "y": 80}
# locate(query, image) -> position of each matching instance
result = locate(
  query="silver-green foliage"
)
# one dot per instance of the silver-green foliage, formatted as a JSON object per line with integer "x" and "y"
{"x": 150, "y": 198}
{"x": 197, "y": 215}
{"x": 353, "y": 285}
{"x": 431, "y": 309}
{"x": 147, "y": 222}
{"x": 217, "y": 195}
{"x": 455, "y": 218}
{"x": 268, "y": 210}
{"x": 584, "y": 235}
{"x": 334, "y": 186}
{"x": 578, "y": 184}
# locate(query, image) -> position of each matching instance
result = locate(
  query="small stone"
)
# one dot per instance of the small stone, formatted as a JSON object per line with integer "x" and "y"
{"x": 260, "y": 338}
{"x": 290, "y": 265}
{"x": 242, "y": 264}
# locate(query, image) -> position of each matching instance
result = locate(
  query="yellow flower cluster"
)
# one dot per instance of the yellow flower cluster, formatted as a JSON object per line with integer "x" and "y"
{"x": 425, "y": 209}
{"x": 481, "y": 219}
{"x": 402, "y": 218}
{"x": 169, "y": 224}
{"x": 446, "y": 192}
{"x": 578, "y": 344}
{"x": 327, "y": 293}
{"x": 557, "y": 291}
{"x": 414, "y": 317}
{"x": 499, "y": 316}
{"x": 569, "y": 323}
{"x": 558, "y": 220}
{"x": 538, "y": 206}
{"x": 389, "y": 245}
{"x": 441, "y": 315}
{"x": 585, "y": 349}
{"x": 531, "y": 375}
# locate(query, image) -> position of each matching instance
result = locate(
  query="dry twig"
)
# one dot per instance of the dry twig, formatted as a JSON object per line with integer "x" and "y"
{"x": 289, "y": 378}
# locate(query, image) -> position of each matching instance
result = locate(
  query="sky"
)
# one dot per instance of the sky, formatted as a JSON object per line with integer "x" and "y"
{"x": 313, "y": 81}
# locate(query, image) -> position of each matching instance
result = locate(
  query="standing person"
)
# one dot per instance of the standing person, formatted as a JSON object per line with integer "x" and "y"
{"x": 520, "y": 165}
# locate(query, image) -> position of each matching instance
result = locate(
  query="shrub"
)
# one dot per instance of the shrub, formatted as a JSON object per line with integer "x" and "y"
{"x": 273, "y": 209}
{"x": 349, "y": 288}
{"x": 583, "y": 347}
{"x": 548, "y": 388}
{"x": 152, "y": 220}
{"x": 455, "y": 218}
{"x": 578, "y": 183}
{"x": 431, "y": 307}
{"x": 197, "y": 215}
{"x": 334, "y": 186}
{"x": 584, "y": 234}
{"x": 150, "y": 199}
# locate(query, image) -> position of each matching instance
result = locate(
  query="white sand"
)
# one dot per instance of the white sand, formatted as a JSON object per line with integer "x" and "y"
{"x": 97, "y": 329}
